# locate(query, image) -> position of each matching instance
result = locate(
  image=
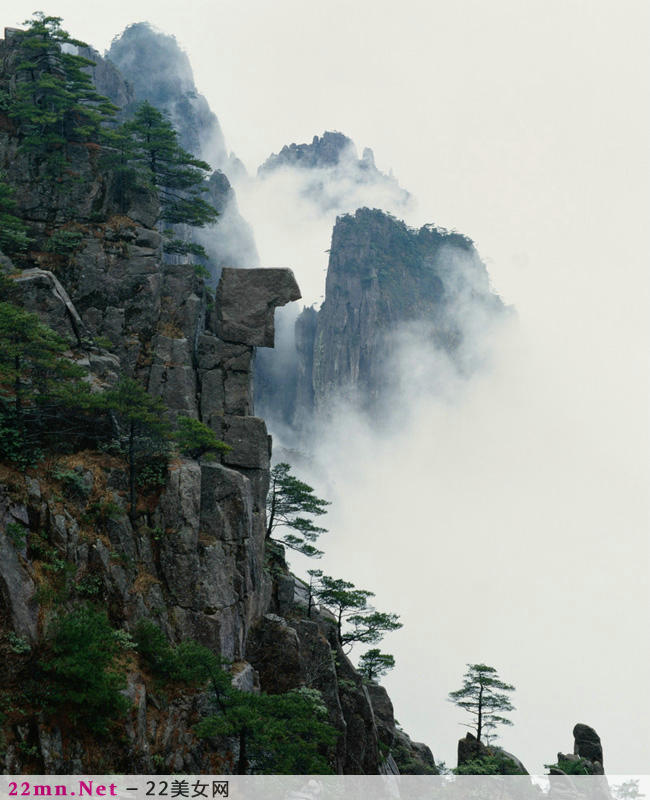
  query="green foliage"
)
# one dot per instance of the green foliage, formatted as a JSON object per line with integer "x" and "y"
{"x": 201, "y": 272}
{"x": 153, "y": 646}
{"x": 89, "y": 586}
{"x": 101, "y": 512}
{"x": 173, "y": 246}
{"x": 152, "y": 475}
{"x": 188, "y": 662}
{"x": 80, "y": 667}
{"x": 350, "y": 606}
{"x": 195, "y": 439}
{"x": 144, "y": 433}
{"x": 285, "y": 734}
{"x": 483, "y": 696}
{"x": 17, "y": 534}
{"x": 18, "y": 644}
{"x": 373, "y": 664}
{"x": 54, "y": 100}
{"x": 571, "y": 767}
{"x": 288, "y": 500}
{"x": 13, "y": 231}
{"x": 37, "y": 385}
{"x": 123, "y": 639}
{"x": 144, "y": 152}
{"x": 64, "y": 243}
{"x": 494, "y": 763}
{"x": 370, "y": 627}
{"x": 72, "y": 481}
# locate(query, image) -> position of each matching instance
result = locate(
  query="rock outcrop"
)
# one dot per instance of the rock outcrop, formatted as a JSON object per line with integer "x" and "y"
{"x": 587, "y": 744}
{"x": 246, "y": 301}
{"x": 290, "y": 649}
{"x": 587, "y": 756}
{"x": 160, "y": 72}
{"x": 471, "y": 750}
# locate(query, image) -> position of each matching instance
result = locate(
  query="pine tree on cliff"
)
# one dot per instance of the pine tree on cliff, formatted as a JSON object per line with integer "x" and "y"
{"x": 290, "y": 504}
{"x": 14, "y": 238}
{"x": 53, "y": 100}
{"x": 143, "y": 430}
{"x": 373, "y": 664}
{"x": 279, "y": 734}
{"x": 145, "y": 151}
{"x": 483, "y": 696}
{"x": 37, "y": 382}
{"x": 350, "y": 606}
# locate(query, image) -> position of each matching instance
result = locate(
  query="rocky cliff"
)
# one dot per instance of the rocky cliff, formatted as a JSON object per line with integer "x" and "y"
{"x": 191, "y": 557}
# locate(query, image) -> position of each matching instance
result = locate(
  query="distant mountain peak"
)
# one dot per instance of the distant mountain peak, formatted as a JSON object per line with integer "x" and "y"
{"x": 324, "y": 151}
{"x": 334, "y": 173}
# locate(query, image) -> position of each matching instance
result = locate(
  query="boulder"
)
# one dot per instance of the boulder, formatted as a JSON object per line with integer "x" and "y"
{"x": 249, "y": 440}
{"x": 273, "y": 648}
{"x": 246, "y": 302}
{"x": 587, "y": 743}
{"x": 412, "y": 758}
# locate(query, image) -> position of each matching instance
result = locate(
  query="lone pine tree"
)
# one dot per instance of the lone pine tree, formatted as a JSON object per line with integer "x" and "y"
{"x": 350, "y": 606}
{"x": 483, "y": 696}
{"x": 290, "y": 504}
{"x": 373, "y": 664}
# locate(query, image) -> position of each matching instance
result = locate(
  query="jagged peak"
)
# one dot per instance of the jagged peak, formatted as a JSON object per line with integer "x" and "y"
{"x": 323, "y": 151}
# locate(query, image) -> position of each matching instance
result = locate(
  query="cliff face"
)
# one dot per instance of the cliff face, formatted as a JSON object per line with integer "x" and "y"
{"x": 382, "y": 276}
{"x": 192, "y": 558}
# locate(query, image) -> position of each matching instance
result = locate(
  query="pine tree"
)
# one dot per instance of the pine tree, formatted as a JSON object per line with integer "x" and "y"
{"x": 483, "y": 696}
{"x": 37, "y": 383}
{"x": 289, "y": 504}
{"x": 373, "y": 664}
{"x": 54, "y": 100}
{"x": 145, "y": 151}
{"x": 283, "y": 734}
{"x": 342, "y": 598}
{"x": 370, "y": 627}
{"x": 195, "y": 439}
{"x": 13, "y": 231}
{"x": 143, "y": 431}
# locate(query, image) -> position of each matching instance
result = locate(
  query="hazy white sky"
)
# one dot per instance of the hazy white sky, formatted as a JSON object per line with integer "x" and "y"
{"x": 512, "y": 527}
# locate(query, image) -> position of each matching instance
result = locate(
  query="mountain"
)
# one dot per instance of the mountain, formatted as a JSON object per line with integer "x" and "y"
{"x": 332, "y": 176}
{"x": 157, "y": 70}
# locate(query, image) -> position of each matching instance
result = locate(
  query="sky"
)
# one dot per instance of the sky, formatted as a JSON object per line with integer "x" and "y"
{"x": 508, "y": 524}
